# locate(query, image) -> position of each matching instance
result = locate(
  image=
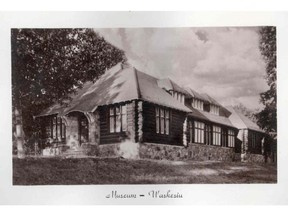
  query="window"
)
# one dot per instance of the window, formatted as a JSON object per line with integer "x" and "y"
{"x": 208, "y": 134}
{"x": 48, "y": 132}
{"x": 191, "y": 131}
{"x": 214, "y": 109}
{"x": 216, "y": 135}
{"x": 179, "y": 96}
{"x": 55, "y": 128}
{"x": 253, "y": 140}
{"x": 167, "y": 120}
{"x": 231, "y": 138}
{"x": 118, "y": 118}
{"x": 199, "y": 132}
{"x": 83, "y": 129}
{"x": 162, "y": 121}
{"x": 197, "y": 104}
{"x": 63, "y": 131}
{"x": 224, "y": 137}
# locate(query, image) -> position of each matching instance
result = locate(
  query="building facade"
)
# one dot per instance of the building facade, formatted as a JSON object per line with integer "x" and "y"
{"x": 131, "y": 114}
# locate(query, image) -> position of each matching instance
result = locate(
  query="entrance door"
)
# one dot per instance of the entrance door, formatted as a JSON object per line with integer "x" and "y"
{"x": 83, "y": 129}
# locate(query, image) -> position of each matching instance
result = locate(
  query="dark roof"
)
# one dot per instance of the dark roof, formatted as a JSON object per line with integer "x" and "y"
{"x": 117, "y": 85}
{"x": 242, "y": 122}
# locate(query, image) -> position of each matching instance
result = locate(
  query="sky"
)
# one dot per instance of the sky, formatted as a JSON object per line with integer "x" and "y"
{"x": 223, "y": 62}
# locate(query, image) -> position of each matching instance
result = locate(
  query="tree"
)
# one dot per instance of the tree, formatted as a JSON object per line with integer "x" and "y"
{"x": 48, "y": 65}
{"x": 267, "y": 118}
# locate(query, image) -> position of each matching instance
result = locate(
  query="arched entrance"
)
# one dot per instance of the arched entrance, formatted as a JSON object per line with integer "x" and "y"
{"x": 78, "y": 129}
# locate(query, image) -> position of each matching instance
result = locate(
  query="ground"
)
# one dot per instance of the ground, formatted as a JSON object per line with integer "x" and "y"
{"x": 75, "y": 171}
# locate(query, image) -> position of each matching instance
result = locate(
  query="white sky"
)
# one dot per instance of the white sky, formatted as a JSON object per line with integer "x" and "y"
{"x": 223, "y": 62}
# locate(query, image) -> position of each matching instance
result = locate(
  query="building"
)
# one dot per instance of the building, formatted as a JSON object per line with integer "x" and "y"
{"x": 254, "y": 143}
{"x": 131, "y": 114}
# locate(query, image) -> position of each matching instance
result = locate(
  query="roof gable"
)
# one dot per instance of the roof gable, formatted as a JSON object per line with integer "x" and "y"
{"x": 242, "y": 122}
{"x": 119, "y": 84}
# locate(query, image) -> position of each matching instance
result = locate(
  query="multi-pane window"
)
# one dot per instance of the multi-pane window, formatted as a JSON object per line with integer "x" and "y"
{"x": 191, "y": 131}
{"x": 198, "y": 104}
{"x": 231, "y": 138}
{"x": 199, "y": 132}
{"x": 216, "y": 135}
{"x": 224, "y": 137}
{"x": 55, "y": 128}
{"x": 214, "y": 109}
{"x": 162, "y": 121}
{"x": 179, "y": 96}
{"x": 118, "y": 118}
{"x": 208, "y": 134}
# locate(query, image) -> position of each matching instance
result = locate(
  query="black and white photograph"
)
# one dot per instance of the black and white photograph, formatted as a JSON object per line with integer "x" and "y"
{"x": 138, "y": 108}
{"x": 144, "y": 105}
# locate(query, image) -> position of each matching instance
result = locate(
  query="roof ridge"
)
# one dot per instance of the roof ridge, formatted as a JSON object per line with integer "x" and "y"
{"x": 137, "y": 83}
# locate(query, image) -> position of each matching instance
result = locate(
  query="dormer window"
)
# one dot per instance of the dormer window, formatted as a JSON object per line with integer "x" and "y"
{"x": 214, "y": 109}
{"x": 198, "y": 104}
{"x": 179, "y": 96}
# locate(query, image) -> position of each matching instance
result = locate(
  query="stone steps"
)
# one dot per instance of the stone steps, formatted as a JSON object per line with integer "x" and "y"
{"x": 74, "y": 153}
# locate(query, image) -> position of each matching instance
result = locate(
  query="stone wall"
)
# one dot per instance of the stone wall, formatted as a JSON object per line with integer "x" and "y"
{"x": 209, "y": 152}
{"x": 254, "y": 158}
{"x": 125, "y": 149}
{"x": 90, "y": 149}
{"x": 192, "y": 152}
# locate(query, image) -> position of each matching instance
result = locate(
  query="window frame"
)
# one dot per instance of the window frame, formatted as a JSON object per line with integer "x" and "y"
{"x": 55, "y": 129}
{"x": 216, "y": 135}
{"x": 117, "y": 118}
{"x": 199, "y": 132}
{"x": 163, "y": 122}
{"x": 231, "y": 138}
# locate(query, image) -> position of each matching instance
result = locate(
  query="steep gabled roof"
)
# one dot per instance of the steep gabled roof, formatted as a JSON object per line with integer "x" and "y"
{"x": 119, "y": 84}
{"x": 150, "y": 91}
{"x": 242, "y": 122}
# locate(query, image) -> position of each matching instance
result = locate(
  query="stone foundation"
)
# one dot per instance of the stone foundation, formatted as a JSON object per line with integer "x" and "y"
{"x": 90, "y": 149}
{"x": 192, "y": 152}
{"x": 254, "y": 158}
{"x": 209, "y": 152}
{"x": 125, "y": 149}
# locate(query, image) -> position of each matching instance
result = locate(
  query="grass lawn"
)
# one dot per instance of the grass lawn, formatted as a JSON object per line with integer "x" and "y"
{"x": 74, "y": 171}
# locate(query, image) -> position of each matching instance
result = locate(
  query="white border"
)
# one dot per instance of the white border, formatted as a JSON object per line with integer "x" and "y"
{"x": 193, "y": 194}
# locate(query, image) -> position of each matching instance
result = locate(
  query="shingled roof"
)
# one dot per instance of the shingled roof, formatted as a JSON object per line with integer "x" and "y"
{"x": 242, "y": 122}
{"x": 206, "y": 116}
{"x": 169, "y": 85}
{"x": 119, "y": 84}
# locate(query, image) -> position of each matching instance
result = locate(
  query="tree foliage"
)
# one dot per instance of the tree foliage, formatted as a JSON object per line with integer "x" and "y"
{"x": 49, "y": 64}
{"x": 267, "y": 118}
